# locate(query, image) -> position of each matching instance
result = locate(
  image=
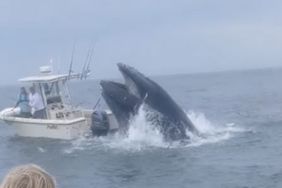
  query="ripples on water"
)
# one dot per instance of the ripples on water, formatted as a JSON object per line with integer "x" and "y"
{"x": 238, "y": 114}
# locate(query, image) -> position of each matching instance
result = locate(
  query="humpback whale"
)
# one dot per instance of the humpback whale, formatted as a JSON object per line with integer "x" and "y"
{"x": 161, "y": 110}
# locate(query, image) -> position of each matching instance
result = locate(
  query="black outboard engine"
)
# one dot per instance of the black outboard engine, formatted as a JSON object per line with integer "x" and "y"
{"x": 100, "y": 124}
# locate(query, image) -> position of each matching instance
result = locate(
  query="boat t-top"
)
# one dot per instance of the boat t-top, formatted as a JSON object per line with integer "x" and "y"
{"x": 63, "y": 120}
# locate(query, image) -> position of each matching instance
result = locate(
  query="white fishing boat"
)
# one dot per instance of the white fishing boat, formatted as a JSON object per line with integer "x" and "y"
{"x": 63, "y": 120}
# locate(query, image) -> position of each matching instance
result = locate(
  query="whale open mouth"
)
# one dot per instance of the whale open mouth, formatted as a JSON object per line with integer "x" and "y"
{"x": 161, "y": 110}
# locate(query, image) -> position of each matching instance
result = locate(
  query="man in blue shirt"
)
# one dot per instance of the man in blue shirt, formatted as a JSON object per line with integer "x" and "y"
{"x": 23, "y": 104}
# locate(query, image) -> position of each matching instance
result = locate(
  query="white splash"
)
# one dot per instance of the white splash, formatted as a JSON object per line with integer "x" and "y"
{"x": 143, "y": 135}
{"x": 40, "y": 149}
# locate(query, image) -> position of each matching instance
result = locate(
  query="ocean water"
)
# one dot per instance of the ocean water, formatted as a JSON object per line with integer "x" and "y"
{"x": 239, "y": 113}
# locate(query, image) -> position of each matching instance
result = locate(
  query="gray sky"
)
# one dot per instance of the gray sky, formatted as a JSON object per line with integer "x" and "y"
{"x": 155, "y": 36}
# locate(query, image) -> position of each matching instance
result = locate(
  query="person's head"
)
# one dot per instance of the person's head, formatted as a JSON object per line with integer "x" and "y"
{"x": 32, "y": 90}
{"x": 23, "y": 91}
{"x": 28, "y": 176}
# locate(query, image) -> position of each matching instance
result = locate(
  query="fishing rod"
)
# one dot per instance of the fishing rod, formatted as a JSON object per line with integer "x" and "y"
{"x": 87, "y": 70}
{"x": 90, "y": 59}
{"x": 85, "y": 64}
{"x": 71, "y": 62}
{"x": 97, "y": 103}
{"x": 86, "y": 67}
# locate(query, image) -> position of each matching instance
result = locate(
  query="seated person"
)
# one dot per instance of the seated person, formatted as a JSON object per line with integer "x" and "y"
{"x": 28, "y": 176}
{"x": 23, "y": 104}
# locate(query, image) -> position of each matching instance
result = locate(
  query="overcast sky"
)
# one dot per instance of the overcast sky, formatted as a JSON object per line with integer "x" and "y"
{"x": 155, "y": 36}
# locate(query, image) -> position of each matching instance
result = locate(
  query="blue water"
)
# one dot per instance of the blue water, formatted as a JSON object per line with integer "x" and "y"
{"x": 240, "y": 114}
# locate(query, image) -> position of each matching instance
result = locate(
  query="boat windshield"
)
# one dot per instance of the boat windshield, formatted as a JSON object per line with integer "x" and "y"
{"x": 52, "y": 92}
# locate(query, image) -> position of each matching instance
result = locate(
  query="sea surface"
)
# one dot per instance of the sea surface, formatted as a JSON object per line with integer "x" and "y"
{"x": 239, "y": 113}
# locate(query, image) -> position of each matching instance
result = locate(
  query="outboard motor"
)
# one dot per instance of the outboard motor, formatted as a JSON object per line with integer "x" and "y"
{"x": 100, "y": 124}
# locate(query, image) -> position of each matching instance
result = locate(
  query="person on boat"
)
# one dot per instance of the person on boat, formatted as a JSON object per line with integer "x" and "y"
{"x": 28, "y": 176}
{"x": 37, "y": 105}
{"x": 23, "y": 104}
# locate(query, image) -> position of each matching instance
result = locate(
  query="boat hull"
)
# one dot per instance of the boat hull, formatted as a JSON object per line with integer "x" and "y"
{"x": 65, "y": 129}
{"x": 55, "y": 129}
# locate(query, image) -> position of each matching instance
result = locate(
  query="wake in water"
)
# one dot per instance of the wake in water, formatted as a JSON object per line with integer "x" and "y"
{"x": 143, "y": 135}
{"x": 210, "y": 132}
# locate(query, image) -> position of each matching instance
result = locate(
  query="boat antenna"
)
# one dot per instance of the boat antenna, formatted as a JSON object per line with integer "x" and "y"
{"x": 71, "y": 62}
